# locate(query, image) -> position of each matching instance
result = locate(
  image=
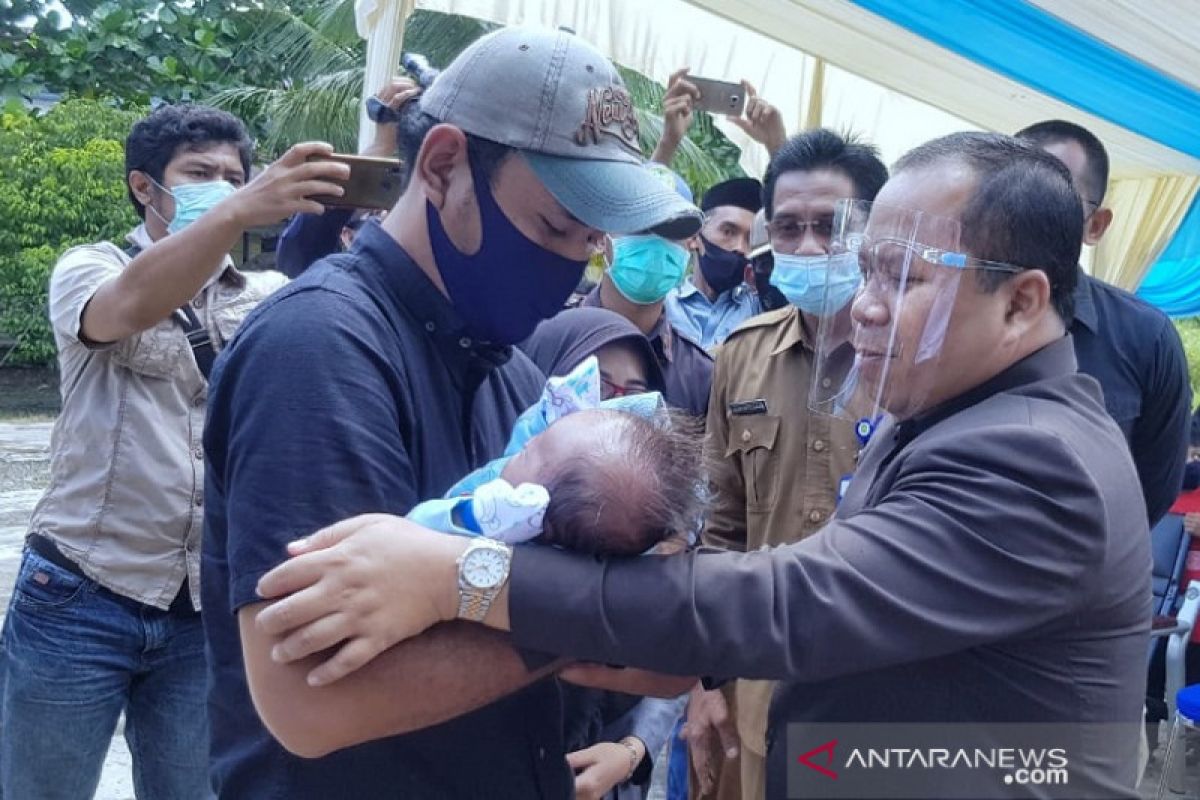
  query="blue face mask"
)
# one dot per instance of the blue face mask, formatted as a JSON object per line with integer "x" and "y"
{"x": 511, "y": 284}
{"x": 803, "y": 281}
{"x": 646, "y": 267}
{"x": 192, "y": 200}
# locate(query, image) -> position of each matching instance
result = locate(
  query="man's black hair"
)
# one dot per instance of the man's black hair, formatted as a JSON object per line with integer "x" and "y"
{"x": 172, "y": 129}
{"x": 1056, "y": 131}
{"x": 415, "y": 125}
{"x": 823, "y": 149}
{"x": 1024, "y": 211}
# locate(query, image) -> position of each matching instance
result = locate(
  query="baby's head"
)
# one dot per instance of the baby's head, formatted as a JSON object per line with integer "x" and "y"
{"x": 619, "y": 483}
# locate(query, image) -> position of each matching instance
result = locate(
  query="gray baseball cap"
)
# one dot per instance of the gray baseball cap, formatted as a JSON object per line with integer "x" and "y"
{"x": 558, "y": 100}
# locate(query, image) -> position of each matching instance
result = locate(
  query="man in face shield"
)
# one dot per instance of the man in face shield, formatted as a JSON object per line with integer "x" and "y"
{"x": 978, "y": 577}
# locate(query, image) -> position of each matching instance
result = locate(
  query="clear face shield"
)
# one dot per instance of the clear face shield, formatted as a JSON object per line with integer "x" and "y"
{"x": 881, "y": 352}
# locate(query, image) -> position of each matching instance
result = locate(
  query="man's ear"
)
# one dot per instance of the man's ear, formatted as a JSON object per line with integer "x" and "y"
{"x": 141, "y": 186}
{"x": 443, "y": 151}
{"x": 1028, "y": 300}
{"x": 1096, "y": 225}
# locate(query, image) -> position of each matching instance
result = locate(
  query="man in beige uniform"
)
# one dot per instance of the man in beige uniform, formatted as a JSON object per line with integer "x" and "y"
{"x": 104, "y": 617}
{"x": 777, "y": 465}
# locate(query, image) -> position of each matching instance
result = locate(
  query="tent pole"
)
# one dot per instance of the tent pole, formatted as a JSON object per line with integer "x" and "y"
{"x": 381, "y": 23}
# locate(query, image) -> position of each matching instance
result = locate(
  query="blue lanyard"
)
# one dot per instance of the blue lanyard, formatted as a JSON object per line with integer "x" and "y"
{"x": 864, "y": 429}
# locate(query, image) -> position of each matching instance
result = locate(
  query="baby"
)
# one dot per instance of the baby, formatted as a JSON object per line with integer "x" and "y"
{"x": 612, "y": 478}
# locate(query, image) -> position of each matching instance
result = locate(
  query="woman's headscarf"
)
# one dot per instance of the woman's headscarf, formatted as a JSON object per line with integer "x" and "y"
{"x": 560, "y": 343}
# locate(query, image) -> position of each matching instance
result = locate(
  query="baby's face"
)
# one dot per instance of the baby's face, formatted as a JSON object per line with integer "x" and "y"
{"x": 581, "y": 432}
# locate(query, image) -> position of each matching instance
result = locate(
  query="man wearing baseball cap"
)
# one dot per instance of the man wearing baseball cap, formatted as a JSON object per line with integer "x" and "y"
{"x": 378, "y": 378}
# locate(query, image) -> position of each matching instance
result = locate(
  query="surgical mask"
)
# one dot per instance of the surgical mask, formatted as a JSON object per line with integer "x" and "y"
{"x": 192, "y": 200}
{"x": 722, "y": 269}
{"x": 803, "y": 281}
{"x": 511, "y": 284}
{"x": 646, "y": 267}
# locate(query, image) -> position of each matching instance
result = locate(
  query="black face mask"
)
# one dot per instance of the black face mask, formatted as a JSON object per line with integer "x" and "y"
{"x": 722, "y": 269}
{"x": 769, "y": 296}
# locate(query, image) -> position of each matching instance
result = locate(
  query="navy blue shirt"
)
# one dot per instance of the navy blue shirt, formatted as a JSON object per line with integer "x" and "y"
{"x": 354, "y": 390}
{"x": 1133, "y": 350}
{"x": 309, "y": 238}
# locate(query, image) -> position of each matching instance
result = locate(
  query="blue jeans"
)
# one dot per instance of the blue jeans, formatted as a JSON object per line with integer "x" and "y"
{"x": 73, "y": 656}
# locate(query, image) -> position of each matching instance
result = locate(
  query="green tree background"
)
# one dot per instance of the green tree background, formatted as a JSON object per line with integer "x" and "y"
{"x": 292, "y": 69}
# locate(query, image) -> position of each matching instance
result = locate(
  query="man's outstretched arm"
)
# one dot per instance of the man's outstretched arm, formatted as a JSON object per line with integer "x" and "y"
{"x": 452, "y": 669}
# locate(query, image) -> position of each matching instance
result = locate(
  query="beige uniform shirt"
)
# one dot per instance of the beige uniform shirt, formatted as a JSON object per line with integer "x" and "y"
{"x": 776, "y": 465}
{"x": 126, "y": 493}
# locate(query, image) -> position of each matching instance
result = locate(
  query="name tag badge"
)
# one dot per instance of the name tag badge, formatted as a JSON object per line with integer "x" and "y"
{"x": 748, "y": 408}
{"x": 843, "y": 486}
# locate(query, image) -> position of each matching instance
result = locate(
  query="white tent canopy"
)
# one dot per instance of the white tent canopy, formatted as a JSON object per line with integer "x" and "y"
{"x": 832, "y": 63}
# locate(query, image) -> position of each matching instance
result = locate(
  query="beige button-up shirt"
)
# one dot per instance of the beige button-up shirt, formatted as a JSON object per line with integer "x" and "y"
{"x": 126, "y": 493}
{"x": 776, "y": 466}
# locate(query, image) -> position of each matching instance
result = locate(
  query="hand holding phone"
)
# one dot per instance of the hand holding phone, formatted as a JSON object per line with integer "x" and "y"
{"x": 719, "y": 97}
{"x": 373, "y": 182}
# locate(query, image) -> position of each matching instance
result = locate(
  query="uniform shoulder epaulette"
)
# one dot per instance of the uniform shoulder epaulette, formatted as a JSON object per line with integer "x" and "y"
{"x": 766, "y": 319}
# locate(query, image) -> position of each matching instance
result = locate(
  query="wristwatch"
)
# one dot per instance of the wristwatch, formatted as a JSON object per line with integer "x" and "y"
{"x": 482, "y": 572}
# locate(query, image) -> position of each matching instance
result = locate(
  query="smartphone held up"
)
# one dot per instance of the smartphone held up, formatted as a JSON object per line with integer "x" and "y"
{"x": 374, "y": 183}
{"x": 719, "y": 97}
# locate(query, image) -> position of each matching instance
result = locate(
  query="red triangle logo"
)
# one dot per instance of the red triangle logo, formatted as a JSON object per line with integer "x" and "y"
{"x": 827, "y": 749}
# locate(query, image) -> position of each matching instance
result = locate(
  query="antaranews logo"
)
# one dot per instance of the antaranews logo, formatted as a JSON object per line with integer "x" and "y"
{"x": 808, "y": 759}
{"x": 890, "y": 762}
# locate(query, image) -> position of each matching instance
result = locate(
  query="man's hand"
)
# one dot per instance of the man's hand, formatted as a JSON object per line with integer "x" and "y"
{"x": 678, "y": 107}
{"x": 762, "y": 121}
{"x": 284, "y": 188}
{"x": 394, "y": 94}
{"x": 709, "y": 730}
{"x": 600, "y": 767}
{"x": 630, "y": 681}
{"x": 365, "y": 584}
{"x": 1191, "y": 524}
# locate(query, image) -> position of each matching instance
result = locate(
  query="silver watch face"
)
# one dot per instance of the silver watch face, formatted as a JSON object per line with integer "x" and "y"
{"x": 485, "y": 568}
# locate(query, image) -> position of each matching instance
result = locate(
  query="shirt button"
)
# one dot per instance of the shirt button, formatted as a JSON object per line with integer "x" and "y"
{"x": 198, "y": 402}
{"x": 814, "y": 516}
{"x": 819, "y": 445}
{"x": 198, "y": 302}
{"x": 198, "y": 453}
{"x": 746, "y": 436}
{"x": 429, "y": 326}
{"x": 198, "y": 500}
{"x": 464, "y": 343}
{"x": 826, "y": 383}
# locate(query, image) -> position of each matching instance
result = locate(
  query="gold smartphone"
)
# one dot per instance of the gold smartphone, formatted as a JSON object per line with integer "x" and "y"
{"x": 373, "y": 182}
{"x": 719, "y": 97}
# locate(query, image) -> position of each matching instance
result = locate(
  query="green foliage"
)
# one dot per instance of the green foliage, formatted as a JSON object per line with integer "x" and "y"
{"x": 705, "y": 157}
{"x": 23, "y": 281}
{"x": 323, "y": 56}
{"x": 132, "y": 50}
{"x": 1189, "y": 332}
{"x": 321, "y": 53}
{"x": 64, "y": 184}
